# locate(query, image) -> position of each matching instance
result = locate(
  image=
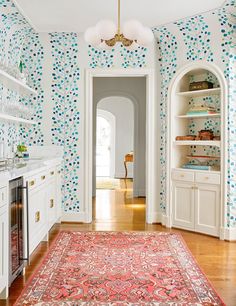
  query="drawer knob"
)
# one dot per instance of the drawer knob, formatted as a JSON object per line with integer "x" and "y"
{"x": 206, "y": 177}
{"x": 32, "y": 183}
{"x": 43, "y": 177}
{"x": 52, "y": 173}
{"x": 59, "y": 172}
{"x": 51, "y": 203}
{"x": 37, "y": 216}
{"x": 182, "y": 175}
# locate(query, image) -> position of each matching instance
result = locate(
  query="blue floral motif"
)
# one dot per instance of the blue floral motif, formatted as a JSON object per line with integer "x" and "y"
{"x": 228, "y": 30}
{"x": 99, "y": 58}
{"x": 65, "y": 121}
{"x": 168, "y": 64}
{"x": 197, "y": 38}
{"x": 133, "y": 58}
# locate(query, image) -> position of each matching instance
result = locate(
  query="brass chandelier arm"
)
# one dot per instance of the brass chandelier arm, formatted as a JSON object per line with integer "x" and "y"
{"x": 119, "y": 38}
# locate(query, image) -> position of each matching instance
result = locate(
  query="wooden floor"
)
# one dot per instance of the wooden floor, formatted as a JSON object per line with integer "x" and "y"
{"x": 116, "y": 210}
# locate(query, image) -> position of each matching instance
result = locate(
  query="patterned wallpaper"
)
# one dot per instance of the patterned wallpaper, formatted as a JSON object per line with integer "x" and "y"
{"x": 118, "y": 56}
{"x": 65, "y": 120}
{"x": 184, "y": 41}
{"x": 18, "y": 42}
{"x": 199, "y": 45}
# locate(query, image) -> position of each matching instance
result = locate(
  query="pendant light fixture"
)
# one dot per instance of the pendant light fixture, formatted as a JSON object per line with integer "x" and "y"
{"x": 106, "y": 34}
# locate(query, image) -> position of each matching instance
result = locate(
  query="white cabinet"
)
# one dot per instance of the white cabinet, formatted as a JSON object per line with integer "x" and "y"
{"x": 4, "y": 242}
{"x": 38, "y": 218}
{"x": 58, "y": 193}
{"x": 196, "y": 201}
{"x": 207, "y": 206}
{"x": 44, "y": 204}
{"x": 183, "y": 205}
{"x": 51, "y": 204}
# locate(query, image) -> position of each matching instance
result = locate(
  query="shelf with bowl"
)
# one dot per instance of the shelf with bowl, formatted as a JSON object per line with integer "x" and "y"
{"x": 16, "y": 85}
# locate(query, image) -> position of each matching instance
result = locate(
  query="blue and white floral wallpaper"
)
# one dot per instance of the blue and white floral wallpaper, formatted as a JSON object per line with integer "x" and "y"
{"x": 187, "y": 40}
{"x": 66, "y": 117}
{"x": 197, "y": 37}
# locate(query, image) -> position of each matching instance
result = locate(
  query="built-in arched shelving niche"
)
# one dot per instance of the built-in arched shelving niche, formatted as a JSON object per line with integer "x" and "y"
{"x": 185, "y": 119}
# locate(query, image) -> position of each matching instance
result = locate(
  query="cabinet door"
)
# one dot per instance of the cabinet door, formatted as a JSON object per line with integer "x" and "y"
{"x": 4, "y": 244}
{"x": 183, "y": 205}
{"x": 207, "y": 208}
{"x": 58, "y": 193}
{"x": 38, "y": 218}
{"x": 51, "y": 203}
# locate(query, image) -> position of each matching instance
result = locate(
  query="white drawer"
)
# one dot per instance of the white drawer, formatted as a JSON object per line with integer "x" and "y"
{"x": 37, "y": 180}
{"x": 183, "y": 176}
{"x": 3, "y": 196}
{"x": 208, "y": 178}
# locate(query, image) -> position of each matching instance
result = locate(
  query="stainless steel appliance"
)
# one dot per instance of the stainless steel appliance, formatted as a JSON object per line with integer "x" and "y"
{"x": 18, "y": 227}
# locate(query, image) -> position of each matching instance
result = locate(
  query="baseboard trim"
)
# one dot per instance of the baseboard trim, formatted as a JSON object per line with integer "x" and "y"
{"x": 75, "y": 217}
{"x": 157, "y": 217}
{"x": 228, "y": 234}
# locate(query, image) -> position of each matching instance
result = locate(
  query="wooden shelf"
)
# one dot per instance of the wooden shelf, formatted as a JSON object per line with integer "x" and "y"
{"x": 203, "y": 158}
{"x": 198, "y": 116}
{"x": 15, "y": 85}
{"x": 16, "y": 119}
{"x": 197, "y": 143}
{"x": 200, "y": 93}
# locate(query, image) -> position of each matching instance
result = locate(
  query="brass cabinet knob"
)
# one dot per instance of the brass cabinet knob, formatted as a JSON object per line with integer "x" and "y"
{"x": 43, "y": 177}
{"x": 37, "y": 216}
{"x": 51, "y": 203}
{"x": 32, "y": 183}
{"x": 52, "y": 173}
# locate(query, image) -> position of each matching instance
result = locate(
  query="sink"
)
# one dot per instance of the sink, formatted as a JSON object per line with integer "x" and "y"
{"x": 20, "y": 165}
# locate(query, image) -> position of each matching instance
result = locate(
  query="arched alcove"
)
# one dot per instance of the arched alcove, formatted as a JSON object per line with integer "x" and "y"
{"x": 201, "y": 188}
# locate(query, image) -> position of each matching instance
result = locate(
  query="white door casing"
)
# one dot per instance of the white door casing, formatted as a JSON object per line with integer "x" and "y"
{"x": 151, "y": 181}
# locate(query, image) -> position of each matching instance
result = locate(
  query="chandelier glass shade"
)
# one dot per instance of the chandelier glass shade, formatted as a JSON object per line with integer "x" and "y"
{"x": 105, "y": 34}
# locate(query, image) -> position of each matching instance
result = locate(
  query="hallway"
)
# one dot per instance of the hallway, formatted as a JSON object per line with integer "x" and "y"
{"x": 116, "y": 210}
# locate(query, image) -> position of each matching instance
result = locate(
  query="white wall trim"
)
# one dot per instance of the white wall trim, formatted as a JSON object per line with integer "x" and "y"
{"x": 150, "y": 141}
{"x": 228, "y": 234}
{"x": 74, "y": 217}
{"x": 224, "y": 135}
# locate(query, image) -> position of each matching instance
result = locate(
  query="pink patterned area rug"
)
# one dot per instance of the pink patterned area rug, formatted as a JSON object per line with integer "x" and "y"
{"x": 119, "y": 269}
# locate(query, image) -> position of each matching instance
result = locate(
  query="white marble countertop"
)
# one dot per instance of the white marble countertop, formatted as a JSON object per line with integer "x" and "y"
{"x": 31, "y": 166}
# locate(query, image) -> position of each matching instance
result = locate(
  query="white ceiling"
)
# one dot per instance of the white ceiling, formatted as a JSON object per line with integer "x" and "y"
{"x": 77, "y": 15}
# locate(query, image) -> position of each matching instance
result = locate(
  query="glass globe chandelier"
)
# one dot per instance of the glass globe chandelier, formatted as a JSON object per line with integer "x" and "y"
{"x": 106, "y": 33}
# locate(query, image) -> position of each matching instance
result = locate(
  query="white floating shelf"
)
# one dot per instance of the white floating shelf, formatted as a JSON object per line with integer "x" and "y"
{"x": 197, "y": 143}
{"x": 14, "y": 84}
{"x": 199, "y": 116}
{"x": 200, "y": 93}
{"x": 16, "y": 119}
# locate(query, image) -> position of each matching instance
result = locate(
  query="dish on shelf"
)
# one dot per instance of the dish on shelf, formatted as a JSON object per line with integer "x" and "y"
{"x": 185, "y": 138}
{"x": 202, "y": 158}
